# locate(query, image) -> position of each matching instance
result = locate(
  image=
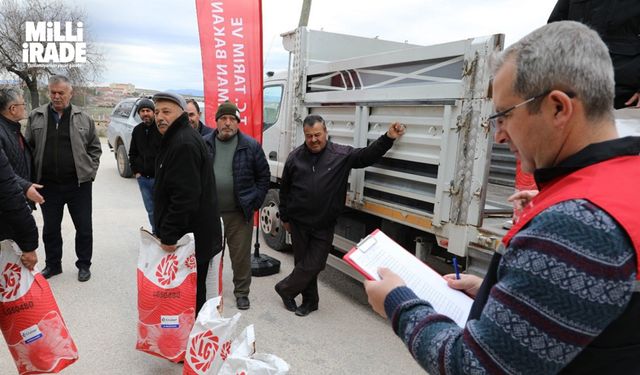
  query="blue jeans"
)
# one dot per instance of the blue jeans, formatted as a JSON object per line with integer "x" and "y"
{"x": 146, "y": 189}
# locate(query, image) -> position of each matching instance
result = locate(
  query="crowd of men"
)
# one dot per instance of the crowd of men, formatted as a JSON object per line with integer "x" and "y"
{"x": 561, "y": 296}
{"x": 190, "y": 178}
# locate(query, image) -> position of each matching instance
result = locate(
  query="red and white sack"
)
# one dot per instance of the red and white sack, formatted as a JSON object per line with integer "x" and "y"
{"x": 210, "y": 340}
{"x": 33, "y": 328}
{"x": 166, "y": 297}
{"x": 214, "y": 276}
{"x": 244, "y": 360}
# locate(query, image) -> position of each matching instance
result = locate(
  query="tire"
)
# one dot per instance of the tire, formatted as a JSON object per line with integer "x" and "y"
{"x": 122, "y": 161}
{"x": 272, "y": 230}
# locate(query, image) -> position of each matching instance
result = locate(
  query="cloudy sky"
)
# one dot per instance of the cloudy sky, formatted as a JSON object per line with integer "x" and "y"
{"x": 155, "y": 45}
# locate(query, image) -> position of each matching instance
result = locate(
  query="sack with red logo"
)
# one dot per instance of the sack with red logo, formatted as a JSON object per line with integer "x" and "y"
{"x": 166, "y": 297}
{"x": 30, "y": 320}
{"x": 214, "y": 276}
{"x": 243, "y": 359}
{"x": 210, "y": 340}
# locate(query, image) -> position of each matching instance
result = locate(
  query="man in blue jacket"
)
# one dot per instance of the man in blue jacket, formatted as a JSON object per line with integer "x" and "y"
{"x": 242, "y": 180}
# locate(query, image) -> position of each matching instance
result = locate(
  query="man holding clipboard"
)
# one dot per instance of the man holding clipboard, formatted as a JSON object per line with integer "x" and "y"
{"x": 562, "y": 295}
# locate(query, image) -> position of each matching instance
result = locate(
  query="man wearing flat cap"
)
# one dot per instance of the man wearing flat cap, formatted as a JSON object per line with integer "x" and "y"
{"x": 184, "y": 193}
{"x": 242, "y": 180}
{"x": 145, "y": 143}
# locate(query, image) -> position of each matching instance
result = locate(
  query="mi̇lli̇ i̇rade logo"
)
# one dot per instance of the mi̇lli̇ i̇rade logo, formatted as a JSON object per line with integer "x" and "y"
{"x": 49, "y": 43}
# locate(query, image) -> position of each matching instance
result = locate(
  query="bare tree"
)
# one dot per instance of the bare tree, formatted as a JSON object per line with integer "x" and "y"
{"x": 13, "y": 17}
{"x": 304, "y": 13}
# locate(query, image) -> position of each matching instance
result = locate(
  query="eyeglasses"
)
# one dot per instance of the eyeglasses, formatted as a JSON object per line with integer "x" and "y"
{"x": 17, "y": 104}
{"x": 492, "y": 120}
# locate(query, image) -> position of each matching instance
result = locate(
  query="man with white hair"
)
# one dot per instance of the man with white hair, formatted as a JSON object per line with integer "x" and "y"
{"x": 561, "y": 296}
{"x": 66, "y": 155}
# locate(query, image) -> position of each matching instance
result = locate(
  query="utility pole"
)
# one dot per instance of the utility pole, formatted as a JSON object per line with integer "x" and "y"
{"x": 304, "y": 13}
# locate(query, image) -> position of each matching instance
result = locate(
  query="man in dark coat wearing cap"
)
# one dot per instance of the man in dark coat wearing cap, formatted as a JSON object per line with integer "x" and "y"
{"x": 145, "y": 143}
{"x": 184, "y": 193}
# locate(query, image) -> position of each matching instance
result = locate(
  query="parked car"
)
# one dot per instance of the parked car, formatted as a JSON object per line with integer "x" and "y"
{"x": 123, "y": 119}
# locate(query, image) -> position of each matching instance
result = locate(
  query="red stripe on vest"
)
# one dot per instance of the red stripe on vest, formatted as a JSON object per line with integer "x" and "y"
{"x": 611, "y": 185}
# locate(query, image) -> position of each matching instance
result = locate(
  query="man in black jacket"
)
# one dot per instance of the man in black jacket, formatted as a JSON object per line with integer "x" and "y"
{"x": 16, "y": 220}
{"x": 193, "y": 111}
{"x": 242, "y": 180}
{"x": 312, "y": 196}
{"x": 618, "y": 24}
{"x": 12, "y": 110}
{"x": 145, "y": 143}
{"x": 184, "y": 194}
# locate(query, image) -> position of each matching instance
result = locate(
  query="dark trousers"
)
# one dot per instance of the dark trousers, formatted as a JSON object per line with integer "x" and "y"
{"x": 78, "y": 201}
{"x": 311, "y": 248}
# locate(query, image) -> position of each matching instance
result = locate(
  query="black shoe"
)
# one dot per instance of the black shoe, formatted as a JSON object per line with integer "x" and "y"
{"x": 306, "y": 308}
{"x": 84, "y": 274}
{"x": 289, "y": 303}
{"x": 48, "y": 272}
{"x": 243, "y": 303}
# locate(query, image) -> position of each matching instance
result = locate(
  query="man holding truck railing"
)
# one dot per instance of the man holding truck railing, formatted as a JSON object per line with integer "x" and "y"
{"x": 312, "y": 196}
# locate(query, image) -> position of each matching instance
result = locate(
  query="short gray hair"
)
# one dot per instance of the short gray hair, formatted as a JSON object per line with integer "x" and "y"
{"x": 59, "y": 78}
{"x": 8, "y": 95}
{"x": 566, "y": 56}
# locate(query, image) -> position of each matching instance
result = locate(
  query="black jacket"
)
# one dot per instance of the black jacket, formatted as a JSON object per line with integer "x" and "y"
{"x": 314, "y": 186}
{"x": 16, "y": 221}
{"x": 618, "y": 23}
{"x": 20, "y": 157}
{"x": 184, "y": 191}
{"x": 145, "y": 143}
{"x": 204, "y": 130}
{"x": 250, "y": 172}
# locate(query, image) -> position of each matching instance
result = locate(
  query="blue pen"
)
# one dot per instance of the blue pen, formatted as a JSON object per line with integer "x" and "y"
{"x": 455, "y": 267}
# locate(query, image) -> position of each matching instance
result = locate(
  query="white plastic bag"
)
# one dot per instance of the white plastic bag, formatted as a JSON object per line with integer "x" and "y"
{"x": 244, "y": 360}
{"x": 257, "y": 364}
{"x": 166, "y": 297}
{"x": 30, "y": 320}
{"x": 210, "y": 340}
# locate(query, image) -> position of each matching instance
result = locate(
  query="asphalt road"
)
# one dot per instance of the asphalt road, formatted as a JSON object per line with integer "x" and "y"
{"x": 343, "y": 337}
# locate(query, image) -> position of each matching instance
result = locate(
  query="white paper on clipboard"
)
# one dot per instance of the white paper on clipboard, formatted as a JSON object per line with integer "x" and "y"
{"x": 378, "y": 250}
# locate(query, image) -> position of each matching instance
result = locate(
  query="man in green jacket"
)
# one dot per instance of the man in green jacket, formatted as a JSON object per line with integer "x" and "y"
{"x": 67, "y": 154}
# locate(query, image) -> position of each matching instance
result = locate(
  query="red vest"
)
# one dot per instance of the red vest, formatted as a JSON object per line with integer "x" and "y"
{"x": 611, "y": 185}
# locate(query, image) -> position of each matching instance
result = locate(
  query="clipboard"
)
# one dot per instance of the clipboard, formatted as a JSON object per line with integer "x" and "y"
{"x": 378, "y": 250}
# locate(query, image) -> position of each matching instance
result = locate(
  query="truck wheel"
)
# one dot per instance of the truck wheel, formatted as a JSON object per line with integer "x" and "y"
{"x": 273, "y": 232}
{"x": 122, "y": 161}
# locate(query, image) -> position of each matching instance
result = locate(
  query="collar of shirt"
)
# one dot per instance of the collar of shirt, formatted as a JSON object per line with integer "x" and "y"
{"x": 592, "y": 154}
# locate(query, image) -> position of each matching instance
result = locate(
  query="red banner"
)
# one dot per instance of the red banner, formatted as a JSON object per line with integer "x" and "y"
{"x": 231, "y": 45}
